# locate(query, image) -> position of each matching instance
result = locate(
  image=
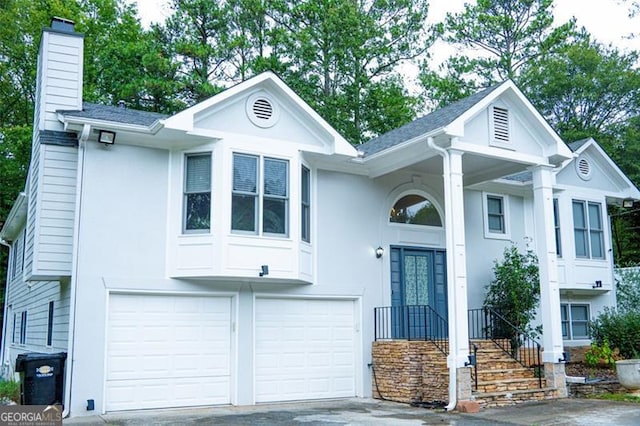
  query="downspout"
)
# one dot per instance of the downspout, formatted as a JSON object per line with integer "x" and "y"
{"x": 82, "y": 142}
{"x": 448, "y": 215}
{"x": 4, "y": 315}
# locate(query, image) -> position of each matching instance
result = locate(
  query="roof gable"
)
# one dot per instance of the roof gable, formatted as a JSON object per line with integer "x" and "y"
{"x": 230, "y": 112}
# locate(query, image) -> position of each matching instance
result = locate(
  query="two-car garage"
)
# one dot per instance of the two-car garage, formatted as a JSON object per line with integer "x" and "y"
{"x": 169, "y": 350}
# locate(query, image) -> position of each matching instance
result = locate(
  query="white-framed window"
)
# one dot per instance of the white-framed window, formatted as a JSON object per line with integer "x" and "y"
{"x": 499, "y": 125}
{"x": 197, "y": 193}
{"x": 305, "y": 204}
{"x": 496, "y": 216}
{"x": 23, "y": 328}
{"x": 50, "y": 324}
{"x": 556, "y": 224}
{"x": 575, "y": 321}
{"x": 260, "y": 193}
{"x": 588, "y": 230}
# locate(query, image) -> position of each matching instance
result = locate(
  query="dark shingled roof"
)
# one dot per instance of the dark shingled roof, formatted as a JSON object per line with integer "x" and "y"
{"x": 435, "y": 120}
{"x": 574, "y": 146}
{"x": 115, "y": 114}
{"x": 53, "y": 137}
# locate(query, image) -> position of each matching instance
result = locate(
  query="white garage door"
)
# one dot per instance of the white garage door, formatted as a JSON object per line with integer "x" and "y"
{"x": 168, "y": 351}
{"x": 305, "y": 349}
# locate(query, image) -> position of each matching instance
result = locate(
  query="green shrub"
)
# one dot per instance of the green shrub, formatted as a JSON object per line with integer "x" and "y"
{"x": 10, "y": 390}
{"x": 600, "y": 354}
{"x": 628, "y": 289}
{"x": 620, "y": 329}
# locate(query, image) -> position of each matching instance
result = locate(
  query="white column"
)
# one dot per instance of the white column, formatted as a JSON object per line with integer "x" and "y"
{"x": 457, "y": 261}
{"x": 545, "y": 243}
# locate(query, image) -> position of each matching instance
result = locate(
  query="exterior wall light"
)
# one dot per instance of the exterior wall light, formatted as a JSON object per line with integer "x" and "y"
{"x": 379, "y": 252}
{"x": 472, "y": 360}
{"x": 106, "y": 137}
{"x": 264, "y": 270}
{"x": 627, "y": 203}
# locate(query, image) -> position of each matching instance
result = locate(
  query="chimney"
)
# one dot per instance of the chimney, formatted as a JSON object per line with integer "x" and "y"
{"x": 59, "y": 76}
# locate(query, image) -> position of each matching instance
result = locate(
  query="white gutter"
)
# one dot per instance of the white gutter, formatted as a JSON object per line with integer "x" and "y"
{"x": 448, "y": 220}
{"x": 82, "y": 142}
{"x": 114, "y": 125}
{"x": 6, "y": 309}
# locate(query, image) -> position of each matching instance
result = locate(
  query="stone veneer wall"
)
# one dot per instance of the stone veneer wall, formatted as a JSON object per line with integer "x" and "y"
{"x": 584, "y": 390}
{"x": 409, "y": 371}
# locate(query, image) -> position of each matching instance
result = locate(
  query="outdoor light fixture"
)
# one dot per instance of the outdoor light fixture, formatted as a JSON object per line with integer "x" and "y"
{"x": 264, "y": 271}
{"x": 472, "y": 361}
{"x": 106, "y": 137}
{"x": 598, "y": 284}
{"x": 566, "y": 357}
{"x": 379, "y": 252}
{"x": 627, "y": 203}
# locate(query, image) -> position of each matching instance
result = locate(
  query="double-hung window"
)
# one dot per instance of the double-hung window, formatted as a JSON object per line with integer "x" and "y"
{"x": 197, "y": 193}
{"x": 496, "y": 211}
{"x": 260, "y": 193}
{"x": 305, "y": 205}
{"x": 588, "y": 229}
{"x": 556, "y": 224}
{"x": 575, "y": 321}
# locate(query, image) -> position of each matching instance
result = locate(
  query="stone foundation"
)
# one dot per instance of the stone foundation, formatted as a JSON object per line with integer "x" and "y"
{"x": 409, "y": 371}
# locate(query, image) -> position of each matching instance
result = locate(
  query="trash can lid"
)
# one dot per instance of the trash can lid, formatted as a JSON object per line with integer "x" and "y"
{"x": 34, "y": 356}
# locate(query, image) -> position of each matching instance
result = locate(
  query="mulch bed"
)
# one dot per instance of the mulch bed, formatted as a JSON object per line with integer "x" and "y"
{"x": 579, "y": 369}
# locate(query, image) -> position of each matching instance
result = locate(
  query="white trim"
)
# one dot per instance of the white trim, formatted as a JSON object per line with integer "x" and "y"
{"x": 489, "y": 234}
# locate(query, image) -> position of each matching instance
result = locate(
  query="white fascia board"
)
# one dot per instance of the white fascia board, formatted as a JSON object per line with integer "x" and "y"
{"x": 499, "y": 153}
{"x": 69, "y": 121}
{"x": 15, "y": 219}
{"x": 632, "y": 191}
{"x": 400, "y": 147}
{"x": 457, "y": 126}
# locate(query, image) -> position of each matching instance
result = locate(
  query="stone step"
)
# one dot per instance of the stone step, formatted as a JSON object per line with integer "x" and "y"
{"x": 501, "y": 399}
{"x": 505, "y": 385}
{"x": 507, "y": 373}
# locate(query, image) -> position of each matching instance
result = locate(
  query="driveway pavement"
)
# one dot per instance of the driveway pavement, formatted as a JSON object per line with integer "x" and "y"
{"x": 357, "y": 411}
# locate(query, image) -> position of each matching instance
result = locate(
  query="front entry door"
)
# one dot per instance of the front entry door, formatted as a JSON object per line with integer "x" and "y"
{"x": 418, "y": 292}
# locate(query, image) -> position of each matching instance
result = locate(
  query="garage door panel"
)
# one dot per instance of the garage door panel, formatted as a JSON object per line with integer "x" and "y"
{"x": 305, "y": 349}
{"x": 168, "y": 351}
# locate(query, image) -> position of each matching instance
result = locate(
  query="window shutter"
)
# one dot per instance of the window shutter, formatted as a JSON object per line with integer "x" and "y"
{"x": 500, "y": 124}
{"x": 198, "y": 173}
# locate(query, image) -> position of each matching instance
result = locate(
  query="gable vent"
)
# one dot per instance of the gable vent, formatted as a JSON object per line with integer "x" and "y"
{"x": 583, "y": 168}
{"x": 261, "y": 110}
{"x": 500, "y": 124}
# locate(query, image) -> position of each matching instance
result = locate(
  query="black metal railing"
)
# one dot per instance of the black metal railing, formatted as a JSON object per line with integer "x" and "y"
{"x": 411, "y": 322}
{"x": 487, "y": 324}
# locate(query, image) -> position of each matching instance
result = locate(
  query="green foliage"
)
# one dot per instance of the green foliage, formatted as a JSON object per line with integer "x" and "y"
{"x": 515, "y": 290}
{"x": 620, "y": 329}
{"x": 600, "y": 354}
{"x": 504, "y": 35}
{"x": 10, "y": 390}
{"x": 628, "y": 289}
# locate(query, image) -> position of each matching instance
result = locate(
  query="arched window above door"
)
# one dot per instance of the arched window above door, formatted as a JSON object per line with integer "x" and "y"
{"x": 414, "y": 209}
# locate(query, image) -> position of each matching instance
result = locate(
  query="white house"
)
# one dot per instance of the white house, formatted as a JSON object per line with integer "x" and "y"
{"x": 234, "y": 253}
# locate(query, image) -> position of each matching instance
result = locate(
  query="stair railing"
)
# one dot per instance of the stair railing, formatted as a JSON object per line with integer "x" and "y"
{"x": 487, "y": 324}
{"x": 411, "y": 322}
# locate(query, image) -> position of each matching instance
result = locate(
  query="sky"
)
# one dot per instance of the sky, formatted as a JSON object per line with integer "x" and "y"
{"x": 607, "y": 20}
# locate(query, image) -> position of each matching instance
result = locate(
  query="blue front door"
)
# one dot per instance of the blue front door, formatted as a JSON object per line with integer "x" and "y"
{"x": 418, "y": 292}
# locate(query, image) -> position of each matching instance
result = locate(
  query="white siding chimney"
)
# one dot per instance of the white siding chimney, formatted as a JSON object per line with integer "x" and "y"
{"x": 59, "y": 79}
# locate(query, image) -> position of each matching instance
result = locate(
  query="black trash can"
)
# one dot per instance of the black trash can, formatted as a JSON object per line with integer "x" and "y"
{"x": 41, "y": 378}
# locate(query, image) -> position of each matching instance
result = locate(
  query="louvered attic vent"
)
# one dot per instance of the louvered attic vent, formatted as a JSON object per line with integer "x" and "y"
{"x": 262, "y": 109}
{"x": 500, "y": 125}
{"x": 583, "y": 167}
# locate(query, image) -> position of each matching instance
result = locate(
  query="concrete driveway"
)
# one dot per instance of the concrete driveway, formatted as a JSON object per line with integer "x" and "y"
{"x": 357, "y": 411}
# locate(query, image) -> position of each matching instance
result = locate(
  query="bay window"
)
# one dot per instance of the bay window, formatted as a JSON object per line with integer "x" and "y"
{"x": 197, "y": 193}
